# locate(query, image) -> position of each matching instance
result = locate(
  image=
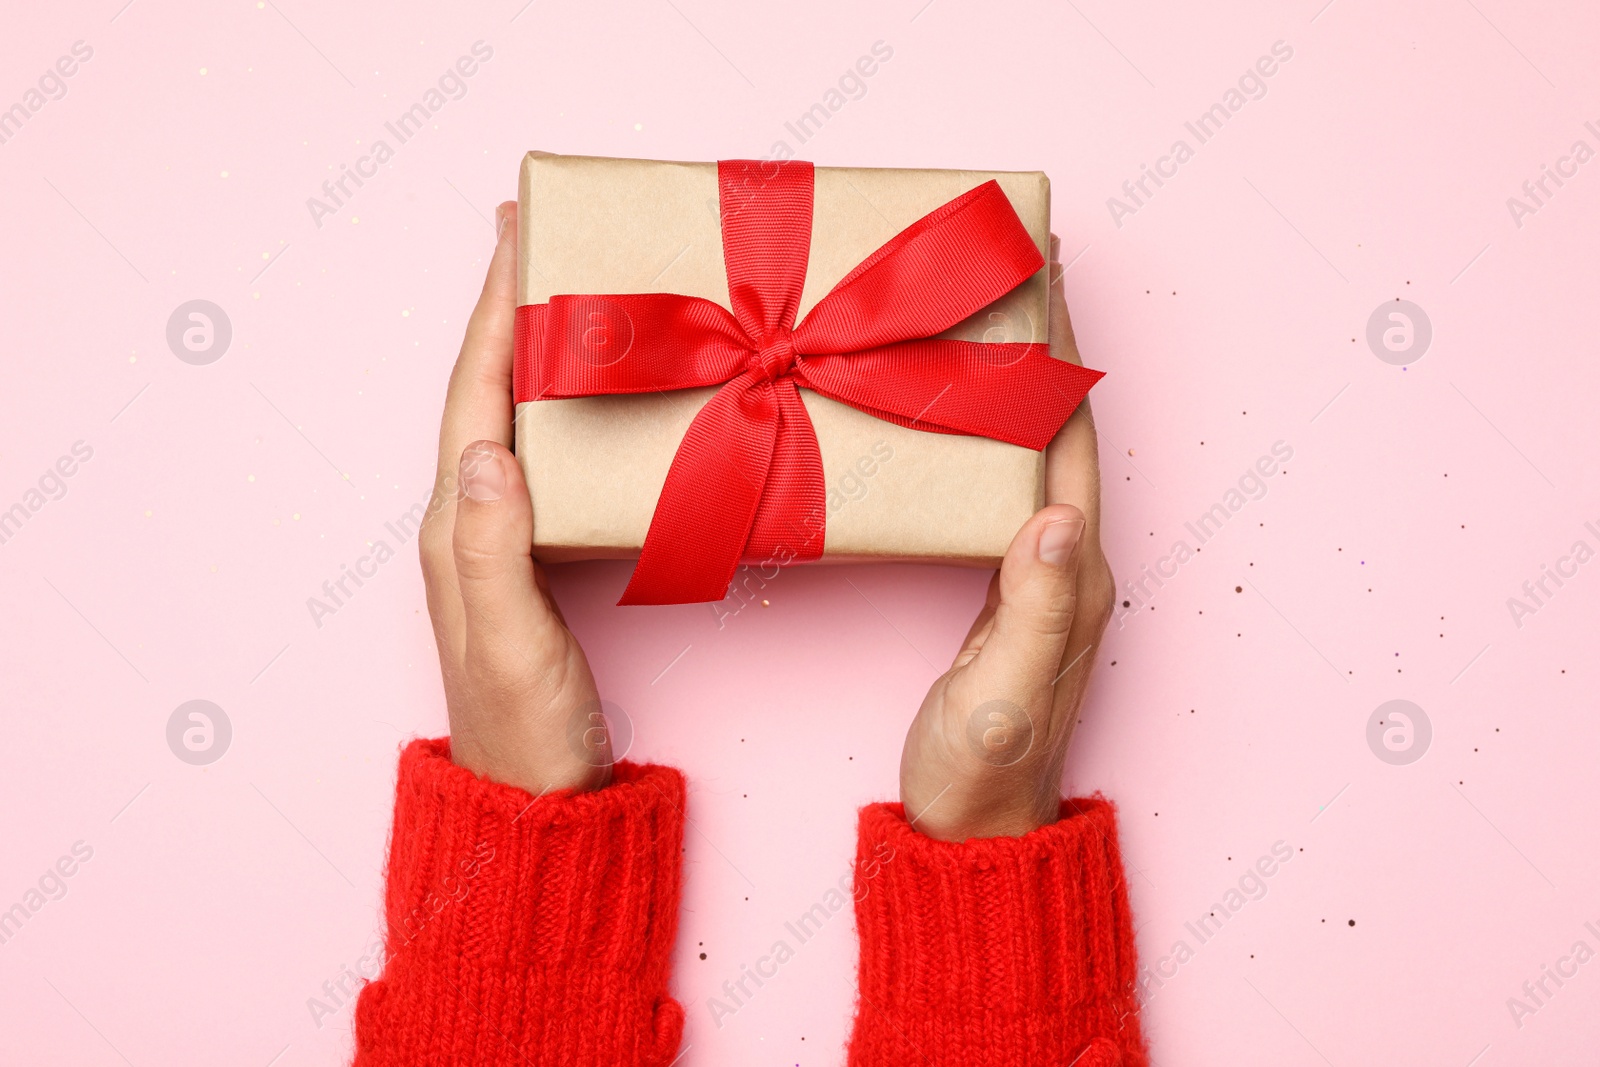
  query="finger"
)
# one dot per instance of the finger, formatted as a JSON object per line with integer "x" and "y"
{"x": 478, "y": 403}
{"x": 477, "y": 407}
{"x": 1038, "y": 594}
{"x": 1072, "y": 466}
{"x": 1063, "y": 345}
{"x": 979, "y": 631}
{"x": 1072, "y": 476}
{"x": 507, "y": 622}
{"x": 1072, "y": 459}
{"x": 984, "y": 623}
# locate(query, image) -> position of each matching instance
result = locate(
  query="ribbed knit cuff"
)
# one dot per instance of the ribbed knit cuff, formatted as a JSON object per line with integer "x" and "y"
{"x": 1014, "y": 951}
{"x": 526, "y": 930}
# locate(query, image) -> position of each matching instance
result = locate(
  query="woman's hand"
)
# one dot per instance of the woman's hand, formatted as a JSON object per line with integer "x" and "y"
{"x": 984, "y": 755}
{"x": 524, "y": 710}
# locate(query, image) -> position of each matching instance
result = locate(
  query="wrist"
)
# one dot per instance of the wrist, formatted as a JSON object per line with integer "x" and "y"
{"x": 968, "y": 810}
{"x": 538, "y": 772}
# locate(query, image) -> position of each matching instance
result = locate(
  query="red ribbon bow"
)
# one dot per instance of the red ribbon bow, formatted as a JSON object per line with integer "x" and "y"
{"x": 747, "y": 481}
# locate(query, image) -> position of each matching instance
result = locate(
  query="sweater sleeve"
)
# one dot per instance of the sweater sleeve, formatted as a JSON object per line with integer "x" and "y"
{"x": 998, "y": 951}
{"x": 526, "y": 931}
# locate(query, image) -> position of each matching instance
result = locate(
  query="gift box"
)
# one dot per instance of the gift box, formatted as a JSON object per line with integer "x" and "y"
{"x": 678, "y": 401}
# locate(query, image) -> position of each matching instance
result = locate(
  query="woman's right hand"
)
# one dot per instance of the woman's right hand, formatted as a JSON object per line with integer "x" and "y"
{"x": 524, "y": 710}
{"x": 984, "y": 755}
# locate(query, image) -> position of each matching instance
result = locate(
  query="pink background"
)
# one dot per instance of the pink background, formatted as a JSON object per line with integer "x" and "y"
{"x": 1230, "y": 311}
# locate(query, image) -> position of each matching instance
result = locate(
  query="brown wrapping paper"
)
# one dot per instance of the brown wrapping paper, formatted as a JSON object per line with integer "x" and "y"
{"x": 595, "y": 466}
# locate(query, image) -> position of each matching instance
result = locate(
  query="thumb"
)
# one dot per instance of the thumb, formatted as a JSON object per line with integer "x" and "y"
{"x": 505, "y": 613}
{"x": 1038, "y": 591}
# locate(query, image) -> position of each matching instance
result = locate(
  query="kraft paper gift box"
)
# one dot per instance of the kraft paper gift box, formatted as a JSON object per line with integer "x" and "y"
{"x": 595, "y": 465}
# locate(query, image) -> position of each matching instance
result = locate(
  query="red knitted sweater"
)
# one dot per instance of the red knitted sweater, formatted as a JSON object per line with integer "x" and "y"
{"x": 527, "y": 932}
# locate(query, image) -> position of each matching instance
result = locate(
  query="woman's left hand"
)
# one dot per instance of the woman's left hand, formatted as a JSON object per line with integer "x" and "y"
{"x": 524, "y": 709}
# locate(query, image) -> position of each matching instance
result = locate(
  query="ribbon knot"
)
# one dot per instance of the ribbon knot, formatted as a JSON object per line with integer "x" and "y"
{"x": 775, "y": 358}
{"x": 747, "y": 480}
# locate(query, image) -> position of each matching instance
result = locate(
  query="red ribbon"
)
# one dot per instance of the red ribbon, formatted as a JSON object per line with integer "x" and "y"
{"x": 746, "y": 483}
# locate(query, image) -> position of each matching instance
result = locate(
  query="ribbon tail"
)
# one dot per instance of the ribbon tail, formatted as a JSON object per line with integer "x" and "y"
{"x": 790, "y": 523}
{"x": 1017, "y": 393}
{"x": 708, "y": 505}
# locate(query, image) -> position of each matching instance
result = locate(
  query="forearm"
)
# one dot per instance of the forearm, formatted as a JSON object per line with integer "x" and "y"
{"x": 1003, "y": 951}
{"x": 526, "y": 931}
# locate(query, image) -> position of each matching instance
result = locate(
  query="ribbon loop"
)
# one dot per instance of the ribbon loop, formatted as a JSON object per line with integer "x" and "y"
{"x": 747, "y": 483}
{"x": 949, "y": 264}
{"x": 766, "y": 240}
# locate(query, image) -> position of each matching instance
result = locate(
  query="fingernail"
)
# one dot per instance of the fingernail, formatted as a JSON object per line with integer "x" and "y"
{"x": 1058, "y": 539}
{"x": 481, "y": 476}
{"x": 499, "y": 222}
